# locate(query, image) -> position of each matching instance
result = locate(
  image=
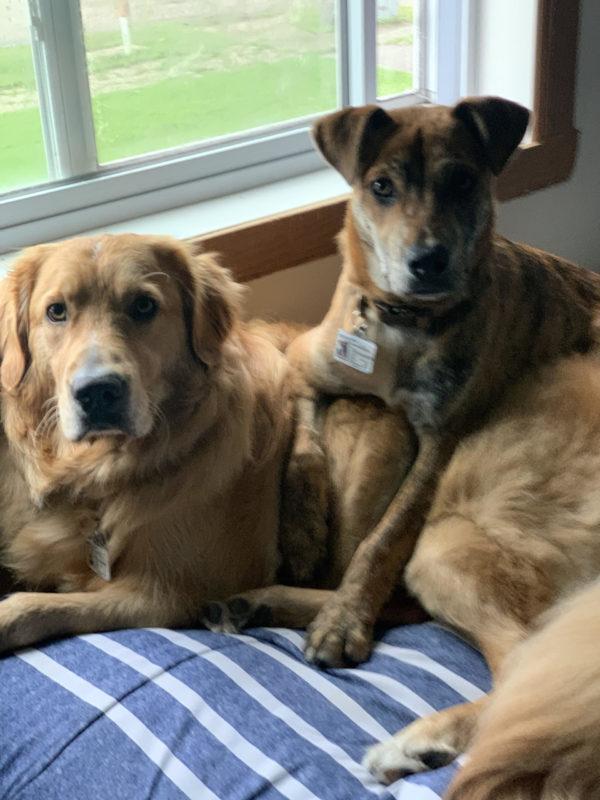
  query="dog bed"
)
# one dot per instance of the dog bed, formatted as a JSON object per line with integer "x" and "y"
{"x": 175, "y": 714}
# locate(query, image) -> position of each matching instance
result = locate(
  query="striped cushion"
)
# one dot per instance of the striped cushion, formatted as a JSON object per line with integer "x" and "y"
{"x": 174, "y": 714}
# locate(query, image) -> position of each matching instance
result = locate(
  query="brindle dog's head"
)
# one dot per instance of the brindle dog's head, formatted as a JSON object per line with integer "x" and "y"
{"x": 421, "y": 179}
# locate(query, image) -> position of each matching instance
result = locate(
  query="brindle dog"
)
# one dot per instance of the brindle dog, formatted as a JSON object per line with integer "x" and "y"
{"x": 459, "y": 317}
{"x": 458, "y": 313}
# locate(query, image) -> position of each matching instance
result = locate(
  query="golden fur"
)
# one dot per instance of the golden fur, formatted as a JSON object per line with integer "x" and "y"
{"x": 514, "y": 528}
{"x": 189, "y": 496}
{"x": 539, "y": 738}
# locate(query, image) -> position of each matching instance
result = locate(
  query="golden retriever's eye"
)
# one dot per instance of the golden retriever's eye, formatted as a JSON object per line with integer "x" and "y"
{"x": 57, "y": 312}
{"x": 143, "y": 308}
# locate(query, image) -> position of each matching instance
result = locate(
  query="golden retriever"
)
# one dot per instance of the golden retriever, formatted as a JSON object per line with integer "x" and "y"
{"x": 145, "y": 435}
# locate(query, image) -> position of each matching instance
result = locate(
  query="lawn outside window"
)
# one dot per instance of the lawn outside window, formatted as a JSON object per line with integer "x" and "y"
{"x": 118, "y": 109}
{"x": 130, "y": 100}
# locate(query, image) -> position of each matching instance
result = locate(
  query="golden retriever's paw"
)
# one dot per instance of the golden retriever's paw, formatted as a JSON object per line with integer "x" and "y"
{"x": 338, "y": 637}
{"x": 405, "y": 754}
{"x": 233, "y": 615}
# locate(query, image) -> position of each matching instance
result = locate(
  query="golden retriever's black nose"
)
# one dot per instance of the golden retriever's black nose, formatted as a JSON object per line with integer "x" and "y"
{"x": 428, "y": 263}
{"x": 103, "y": 401}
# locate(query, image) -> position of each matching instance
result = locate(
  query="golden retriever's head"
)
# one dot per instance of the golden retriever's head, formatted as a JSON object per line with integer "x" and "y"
{"x": 98, "y": 334}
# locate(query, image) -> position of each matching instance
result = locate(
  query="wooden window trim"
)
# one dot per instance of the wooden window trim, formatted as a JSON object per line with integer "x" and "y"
{"x": 550, "y": 157}
{"x": 268, "y": 245}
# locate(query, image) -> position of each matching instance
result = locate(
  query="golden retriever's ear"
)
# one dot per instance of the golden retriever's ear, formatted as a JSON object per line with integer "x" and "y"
{"x": 15, "y": 294}
{"x": 497, "y": 125}
{"x": 217, "y": 307}
{"x": 211, "y": 298}
{"x": 350, "y": 139}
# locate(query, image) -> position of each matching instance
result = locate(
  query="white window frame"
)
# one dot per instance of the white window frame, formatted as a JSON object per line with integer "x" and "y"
{"x": 84, "y": 194}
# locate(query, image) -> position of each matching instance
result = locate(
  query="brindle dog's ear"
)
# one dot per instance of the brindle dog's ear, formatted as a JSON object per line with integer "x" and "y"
{"x": 350, "y": 139}
{"x": 497, "y": 125}
{"x": 15, "y": 295}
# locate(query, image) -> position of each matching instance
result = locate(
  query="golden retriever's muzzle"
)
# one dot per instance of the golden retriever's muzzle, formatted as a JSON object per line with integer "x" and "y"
{"x": 103, "y": 402}
{"x": 100, "y": 397}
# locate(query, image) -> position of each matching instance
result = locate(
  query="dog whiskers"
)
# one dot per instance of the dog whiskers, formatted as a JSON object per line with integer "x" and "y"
{"x": 48, "y": 420}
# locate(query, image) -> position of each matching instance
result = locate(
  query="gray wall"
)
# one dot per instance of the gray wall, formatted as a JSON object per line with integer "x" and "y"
{"x": 565, "y": 219}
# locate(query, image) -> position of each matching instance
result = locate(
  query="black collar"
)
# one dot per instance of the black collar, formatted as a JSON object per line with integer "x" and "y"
{"x": 403, "y": 315}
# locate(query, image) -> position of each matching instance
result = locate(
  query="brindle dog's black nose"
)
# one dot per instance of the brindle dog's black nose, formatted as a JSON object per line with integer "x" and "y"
{"x": 428, "y": 263}
{"x": 103, "y": 400}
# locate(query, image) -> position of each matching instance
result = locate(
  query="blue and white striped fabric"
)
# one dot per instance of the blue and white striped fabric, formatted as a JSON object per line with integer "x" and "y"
{"x": 176, "y": 714}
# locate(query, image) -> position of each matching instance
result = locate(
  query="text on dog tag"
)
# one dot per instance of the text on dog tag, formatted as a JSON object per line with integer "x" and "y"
{"x": 355, "y": 351}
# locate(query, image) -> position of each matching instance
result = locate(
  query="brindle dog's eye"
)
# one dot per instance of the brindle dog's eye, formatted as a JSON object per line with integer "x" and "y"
{"x": 383, "y": 189}
{"x": 57, "y": 312}
{"x": 143, "y": 308}
{"x": 460, "y": 182}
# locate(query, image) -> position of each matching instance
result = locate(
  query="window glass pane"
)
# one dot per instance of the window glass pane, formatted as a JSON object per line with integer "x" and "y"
{"x": 396, "y": 35}
{"x": 166, "y": 74}
{"x": 22, "y": 156}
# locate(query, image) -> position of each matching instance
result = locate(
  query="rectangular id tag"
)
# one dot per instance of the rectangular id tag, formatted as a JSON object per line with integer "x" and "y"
{"x": 355, "y": 351}
{"x": 99, "y": 560}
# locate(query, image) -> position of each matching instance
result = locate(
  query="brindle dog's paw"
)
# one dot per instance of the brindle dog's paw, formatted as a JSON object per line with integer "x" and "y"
{"x": 233, "y": 615}
{"x": 338, "y": 637}
{"x": 405, "y": 754}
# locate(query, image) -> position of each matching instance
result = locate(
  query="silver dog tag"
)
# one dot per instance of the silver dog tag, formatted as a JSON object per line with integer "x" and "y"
{"x": 99, "y": 559}
{"x": 355, "y": 351}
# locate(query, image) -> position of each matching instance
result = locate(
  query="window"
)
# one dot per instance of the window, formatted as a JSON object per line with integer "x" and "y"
{"x": 117, "y": 108}
{"x": 124, "y": 107}
{"x": 171, "y": 75}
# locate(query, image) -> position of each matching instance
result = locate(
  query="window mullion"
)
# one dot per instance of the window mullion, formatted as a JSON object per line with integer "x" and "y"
{"x": 362, "y": 51}
{"x": 420, "y": 46}
{"x": 342, "y": 50}
{"x": 469, "y": 37}
{"x": 63, "y": 88}
{"x": 447, "y": 27}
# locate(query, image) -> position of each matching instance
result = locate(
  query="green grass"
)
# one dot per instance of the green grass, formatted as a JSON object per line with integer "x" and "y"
{"x": 16, "y": 68}
{"x": 313, "y": 17}
{"x": 22, "y": 157}
{"x": 185, "y": 109}
{"x": 402, "y": 38}
{"x": 166, "y": 42}
{"x": 392, "y": 81}
{"x": 405, "y": 13}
